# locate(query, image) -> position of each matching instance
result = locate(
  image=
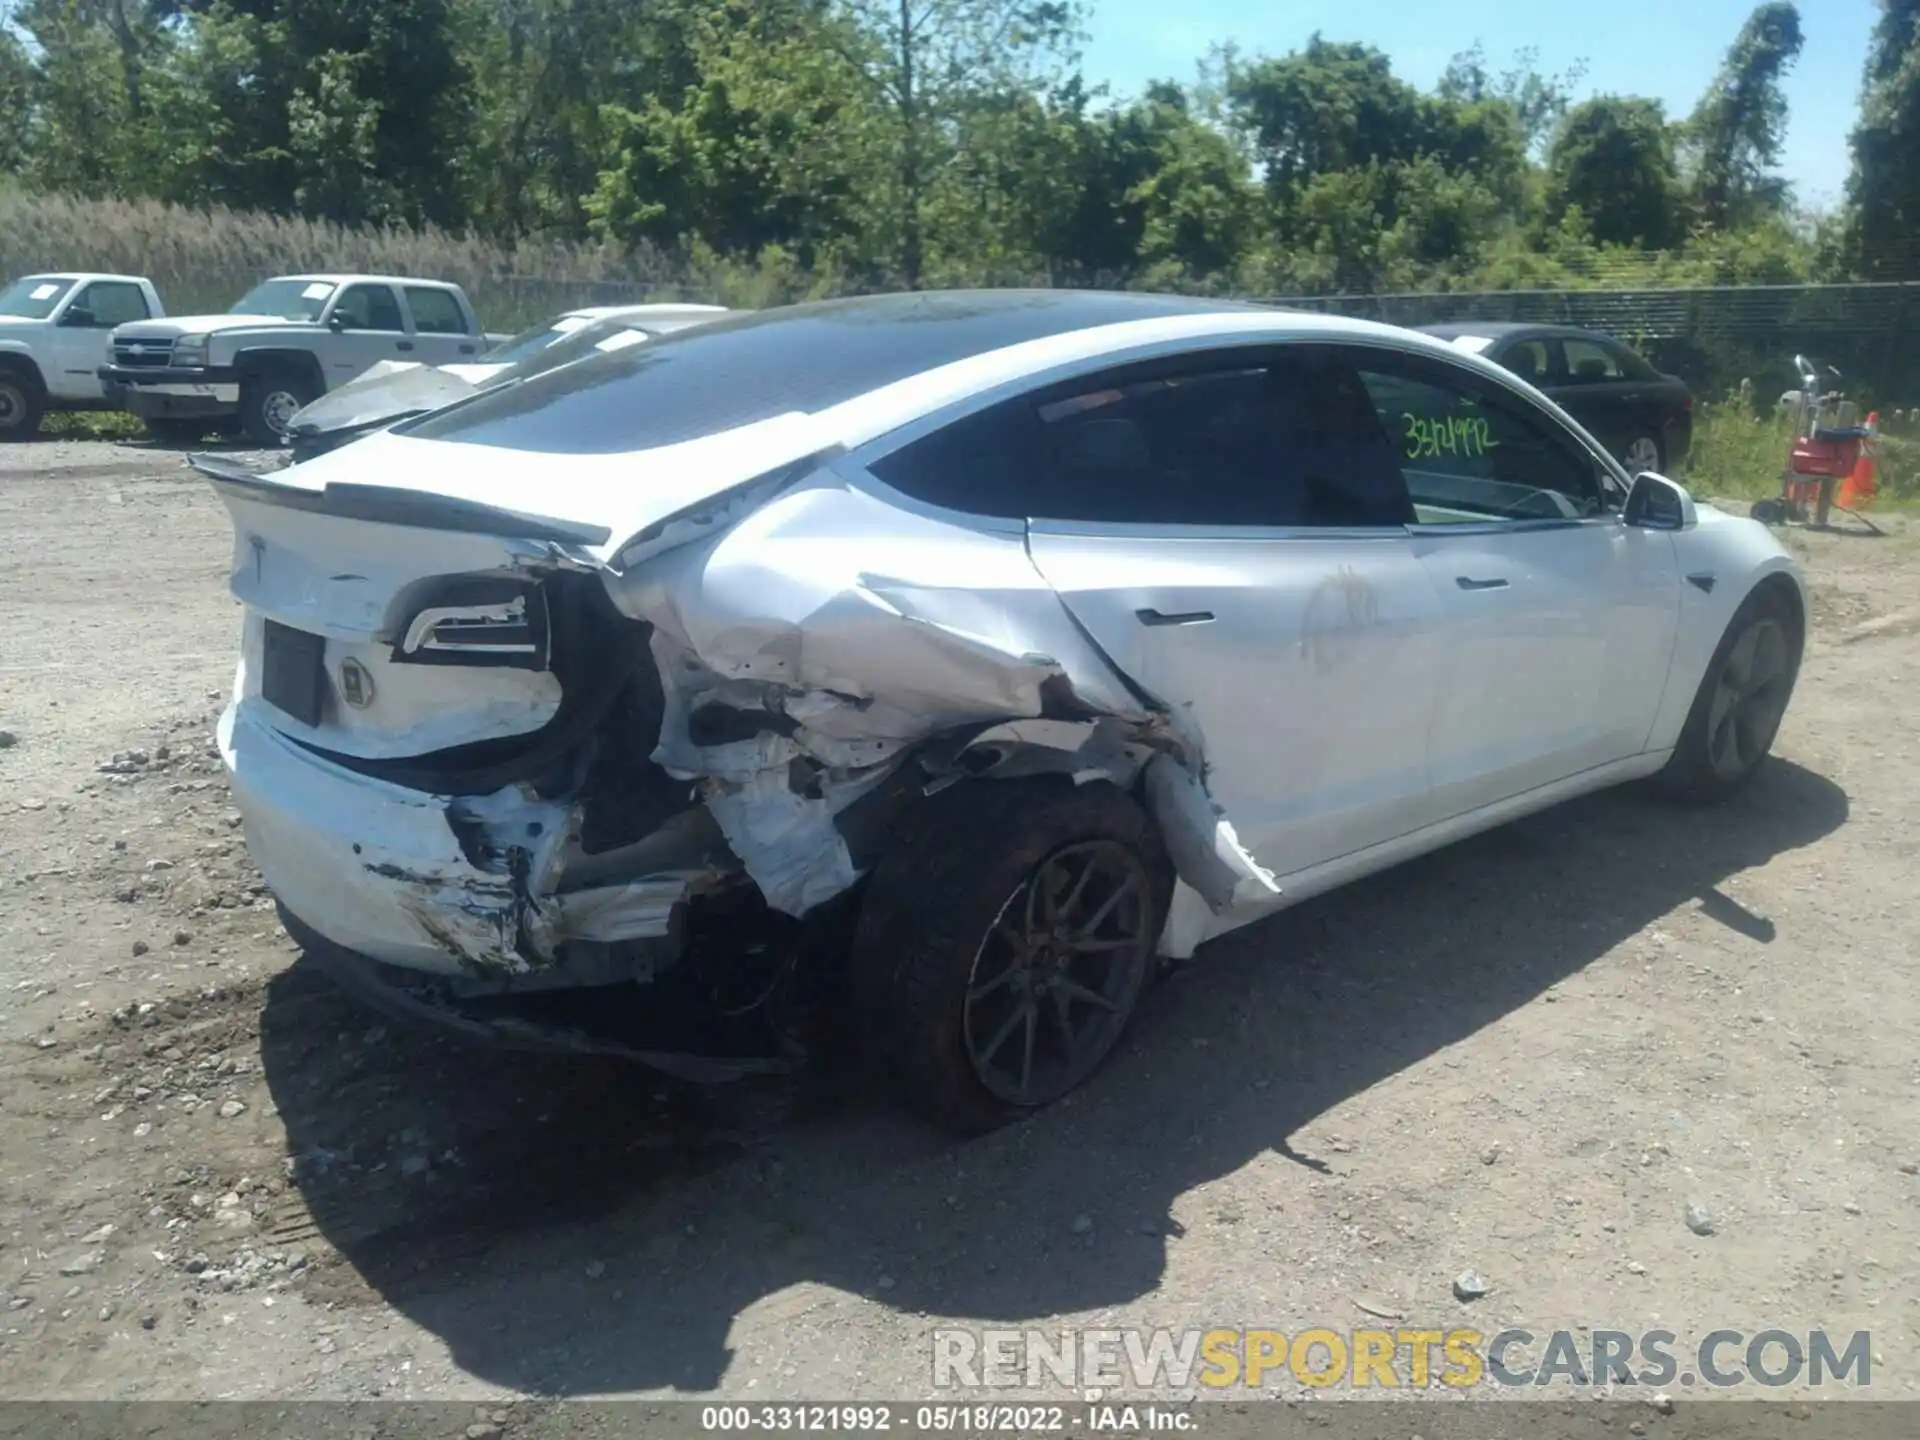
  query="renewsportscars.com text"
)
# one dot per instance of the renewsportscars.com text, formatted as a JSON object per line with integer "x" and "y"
{"x": 1403, "y": 1358}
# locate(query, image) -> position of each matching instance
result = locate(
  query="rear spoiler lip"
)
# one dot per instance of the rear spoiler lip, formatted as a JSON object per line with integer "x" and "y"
{"x": 391, "y": 505}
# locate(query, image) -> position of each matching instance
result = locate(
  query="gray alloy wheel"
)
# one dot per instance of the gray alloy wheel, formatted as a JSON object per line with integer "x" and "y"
{"x": 1643, "y": 454}
{"x": 19, "y": 409}
{"x": 1749, "y": 699}
{"x": 1058, "y": 973}
{"x": 278, "y": 407}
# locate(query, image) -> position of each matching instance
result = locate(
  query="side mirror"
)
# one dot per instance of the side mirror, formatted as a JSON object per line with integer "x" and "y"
{"x": 1657, "y": 503}
{"x": 79, "y": 317}
{"x": 336, "y": 322}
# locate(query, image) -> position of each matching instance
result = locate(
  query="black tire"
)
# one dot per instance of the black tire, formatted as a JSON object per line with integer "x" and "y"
{"x": 270, "y": 396}
{"x": 23, "y": 404}
{"x": 968, "y": 860}
{"x": 175, "y": 432}
{"x": 1731, "y": 727}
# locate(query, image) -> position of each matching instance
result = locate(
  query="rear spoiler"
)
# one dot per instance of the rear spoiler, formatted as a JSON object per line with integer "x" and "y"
{"x": 389, "y": 504}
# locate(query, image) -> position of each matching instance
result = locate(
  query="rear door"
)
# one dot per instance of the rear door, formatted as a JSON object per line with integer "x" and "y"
{"x": 442, "y": 334}
{"x": 371, "y": 327}
{"x": 1561, "y": 620}
{"x": 1599, "y": 393}
{"x": 1231, "y": 530}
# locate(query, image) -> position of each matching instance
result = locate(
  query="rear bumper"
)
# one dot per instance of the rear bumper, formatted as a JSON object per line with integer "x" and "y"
{"x": 377, "y": 868}
{"x": 465, "y": 888}
{"x": 172, "y": 394}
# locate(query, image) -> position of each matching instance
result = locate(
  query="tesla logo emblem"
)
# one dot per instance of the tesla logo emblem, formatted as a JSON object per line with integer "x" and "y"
{"x": 356, "y": 685}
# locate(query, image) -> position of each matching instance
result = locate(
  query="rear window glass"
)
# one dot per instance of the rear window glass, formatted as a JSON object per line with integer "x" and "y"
{"x": 744, "y": 369}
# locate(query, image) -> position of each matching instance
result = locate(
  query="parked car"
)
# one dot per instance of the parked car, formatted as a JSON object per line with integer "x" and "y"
{"x": 394, "y": 389}
{"x": 1643, "y": 417}
{"x": 945, "y": 658}
{"x": 285, "y": 343}
{"x": 658, "y": 318}
{"x": 54, "y": 332}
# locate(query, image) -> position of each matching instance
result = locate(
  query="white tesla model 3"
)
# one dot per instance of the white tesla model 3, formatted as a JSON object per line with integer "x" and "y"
{"x": 951, "y": 656}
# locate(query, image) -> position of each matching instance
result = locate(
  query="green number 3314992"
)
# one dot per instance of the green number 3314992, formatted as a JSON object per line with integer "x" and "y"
{"x": 1428, "y": 437}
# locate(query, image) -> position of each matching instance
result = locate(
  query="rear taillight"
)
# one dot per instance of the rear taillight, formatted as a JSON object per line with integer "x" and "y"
{"x": 482, "y": 622}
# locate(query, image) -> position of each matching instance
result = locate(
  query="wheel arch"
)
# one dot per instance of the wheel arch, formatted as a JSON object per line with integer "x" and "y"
{"x": 1737, "y": 576}
{"x": 21, "y": 364}
{"x": 253, "y": 363}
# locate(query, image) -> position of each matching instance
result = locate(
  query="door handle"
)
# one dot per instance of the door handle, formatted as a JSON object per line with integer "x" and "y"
{"x": 1184, "y": 617}
{"x": 404, "y": 345}
{"x": 1467, "y": 582}
{"x": 466, "y": 349}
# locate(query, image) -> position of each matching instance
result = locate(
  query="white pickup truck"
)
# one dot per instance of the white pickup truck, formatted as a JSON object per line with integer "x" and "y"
{"x": 54, "y": 332}
{"x": 285, "y": 343}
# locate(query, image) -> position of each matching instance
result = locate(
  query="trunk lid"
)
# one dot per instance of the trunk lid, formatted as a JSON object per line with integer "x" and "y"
{"x": 408, "y": 597}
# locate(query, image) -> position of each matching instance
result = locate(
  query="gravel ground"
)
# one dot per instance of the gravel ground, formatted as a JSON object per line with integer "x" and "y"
{"x": 1526, "y": 1057}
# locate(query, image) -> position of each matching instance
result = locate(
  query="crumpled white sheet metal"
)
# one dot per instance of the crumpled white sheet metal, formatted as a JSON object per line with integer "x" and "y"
{"x": 868, "y": 631}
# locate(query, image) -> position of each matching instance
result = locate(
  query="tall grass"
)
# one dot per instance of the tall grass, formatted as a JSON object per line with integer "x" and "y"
{"x": 203, "y": 260}
{"x": 1738, "y": 455}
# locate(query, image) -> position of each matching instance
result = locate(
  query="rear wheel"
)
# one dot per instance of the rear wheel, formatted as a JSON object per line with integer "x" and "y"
{"x": 21, "y": 405}
{"x": 1741, "y": 701}
{"x": 1004, "y": 940}
{"x": 269, "y": 400}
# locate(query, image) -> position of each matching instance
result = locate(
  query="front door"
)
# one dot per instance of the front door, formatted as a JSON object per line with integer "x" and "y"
{"x": 81, "y": 340}
{"x": 1561, "y": 620}
{"x": 1233, "y": 535}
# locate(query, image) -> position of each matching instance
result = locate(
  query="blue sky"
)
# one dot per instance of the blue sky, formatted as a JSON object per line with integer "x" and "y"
{"x": 1668, "y": 49}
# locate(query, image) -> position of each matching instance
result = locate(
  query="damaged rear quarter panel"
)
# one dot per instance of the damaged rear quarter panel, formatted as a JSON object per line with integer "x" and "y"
{"x": 855, "y": 629}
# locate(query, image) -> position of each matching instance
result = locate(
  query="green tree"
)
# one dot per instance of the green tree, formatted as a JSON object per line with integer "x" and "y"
{"x": 545, "y": 72}
{"x": 1330, "y": 107}
{"x": 16, "y": 101}
{"x": 1883, "y": 193}
{"x": 1612, "y": 158}
{"x": 926, "y": 62}
{"x": 767, "y": 146}
{"x": 1196, "y": 201}
{"x": 352, "y": 110}
{"x": 90, "y": 126}
{"x": 1369, "y": 181}
{"x": 1537, "y": 100}
{"x": 1734, "y": 135}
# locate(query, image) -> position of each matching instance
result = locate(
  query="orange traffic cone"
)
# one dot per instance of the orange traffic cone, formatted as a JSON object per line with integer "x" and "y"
{"x": 1856, "y": 491}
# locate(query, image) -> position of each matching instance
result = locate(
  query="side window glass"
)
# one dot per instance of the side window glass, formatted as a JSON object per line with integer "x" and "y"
{"x": 369, "y": 307}
{"x": 1290, "y": 440}
{"x": 1471, "y": 455}
{"x": 1266, "y": 441}
{"x": 1590, "y": 364}
{"x": 1528, "y": 360}
{"x": 113, "y": 303}
{"x": 983, "y": 464}
{"x": 435, "y": 312}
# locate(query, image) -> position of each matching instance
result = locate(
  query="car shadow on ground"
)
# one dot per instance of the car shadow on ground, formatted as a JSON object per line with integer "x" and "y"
{"x": 572, "y": 1228}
